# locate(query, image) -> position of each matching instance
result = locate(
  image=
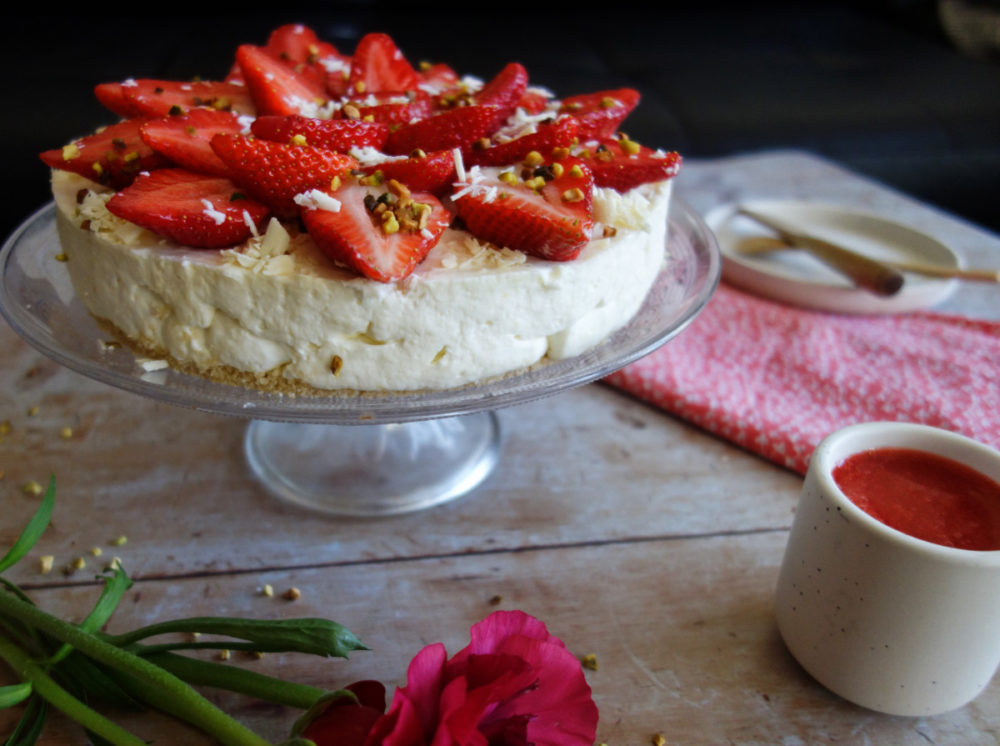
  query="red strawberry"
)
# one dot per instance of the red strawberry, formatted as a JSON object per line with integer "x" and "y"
{"x": 275, "y": 87}
{"x": 534, "y": 101}
{"x": 112, "y": 97}
{"x": 553, "y": 220}
{"x": 504, "y": 91}
{"x": 432, "y": 172}
{"x": 160, "y": 98}
{"x": 299, "y": 48}
{"x": 454, "y": 128}
{"x": 186, "y": 140}
{"x": 378, "y": 65}
{"x": 601, "y": 113}
{"x": 355, "y": 237}
{"x": 622, "y": 164}
{"x": 192, "y": 209}
{"x": 330, "y": 134}
{"x": 547, "y": 136}
{"x": 437, "y": 78}
{"x": 391, "y": 108}
{"x": 275, "y": 172}
{"x": 112, "y": 156}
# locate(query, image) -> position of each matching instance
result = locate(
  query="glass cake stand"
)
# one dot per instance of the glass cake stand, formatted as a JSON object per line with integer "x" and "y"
{"x": 414, "y": 450}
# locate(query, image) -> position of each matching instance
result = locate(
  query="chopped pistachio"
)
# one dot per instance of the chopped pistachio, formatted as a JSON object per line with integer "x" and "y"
{"x": 32, "y": 488}
{"x": 267, "y": 590}
{"x": 96, "y": 551}
{"x": 119, "y": 541}
{"x": 534, "y": 158}
{"x": 62, "y": 258}
{"x": 45, "y": 563}
{"x": 573, "y": 195}
{"x": 224, "y": 655}
{"x": 389, "y": 223}
{"x": 628, "y": 146}
{"x": 32, "y": 411}
{"x": 66, "y": 432}
{"x": 589, "y": 661}
{"x": 658, "y": 740}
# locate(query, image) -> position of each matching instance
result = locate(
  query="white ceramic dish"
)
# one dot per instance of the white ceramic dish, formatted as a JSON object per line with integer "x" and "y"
{"x": 798, "y": 278}
{"x": 890, "y": 622}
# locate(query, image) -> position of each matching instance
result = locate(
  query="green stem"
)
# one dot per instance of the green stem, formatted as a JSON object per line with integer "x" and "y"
{"x": 183, "y": 701}
{"x": 220, "y": 676}
{"x": 58, "y": 697}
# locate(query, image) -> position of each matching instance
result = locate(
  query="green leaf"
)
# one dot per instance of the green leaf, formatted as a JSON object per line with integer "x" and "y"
{"x": 35, "y": 528}
{"x": 114, "y": 588}
{"x": 313, "y": 636}
{"x": 29, "y": 727}
{"x": 14, "y": 694}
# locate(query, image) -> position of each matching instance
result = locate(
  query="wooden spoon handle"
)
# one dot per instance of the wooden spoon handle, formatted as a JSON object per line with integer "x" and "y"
{"x": 767, "y": 244}
{"x": 863, "y": 271}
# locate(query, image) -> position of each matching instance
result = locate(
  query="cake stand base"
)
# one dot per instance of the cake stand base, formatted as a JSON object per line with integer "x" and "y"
{"x": 374, "y": 470}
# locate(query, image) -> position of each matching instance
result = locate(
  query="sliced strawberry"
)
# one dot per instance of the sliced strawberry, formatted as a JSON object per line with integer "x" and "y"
{"x": 378, "y": 65}
{"x": 112, "y": 156}
{"x": 299, "y": 48}
{"x": 534, "y": 100}
{"x": 622, "y": 164}
{"x": 504, "y": 91}
{"x": 454, "y": 128}
{"x": 547, "y": 216}
{"x": 186, "y": 140}
{"x": 547, "y": 136}
{"x": 275, "y": 87}
{"x": 160, "y": 98}
{"x": 354, "y": 235}
{"x": 192, "y": 209}
{"x": 112, "y": 97}
{"x": 389, "y": 107}
{"x": 432, "y": 172}
{"x": 437, "y": 78}
{"x": 331, "y": 134}
{"x": 274, "y": 172}
{"x": 601, "y": 113}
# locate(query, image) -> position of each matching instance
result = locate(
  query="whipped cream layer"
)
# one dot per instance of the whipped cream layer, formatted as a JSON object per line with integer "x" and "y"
{"x": 278, "y": 307}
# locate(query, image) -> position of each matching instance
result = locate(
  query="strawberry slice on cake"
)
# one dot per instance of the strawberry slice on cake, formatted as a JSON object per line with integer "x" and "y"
{"x": 544, "y": 209}
{"x": 383, "y": 233}
{"x": 274, "y": 173}
{"x": 204, "y": 212}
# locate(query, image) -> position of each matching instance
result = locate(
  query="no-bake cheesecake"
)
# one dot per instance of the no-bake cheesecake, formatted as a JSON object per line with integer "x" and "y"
{"x": 320, "y": 222}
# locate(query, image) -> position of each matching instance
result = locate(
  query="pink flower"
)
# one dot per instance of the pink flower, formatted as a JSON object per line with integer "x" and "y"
{"x": 514, "y": 685}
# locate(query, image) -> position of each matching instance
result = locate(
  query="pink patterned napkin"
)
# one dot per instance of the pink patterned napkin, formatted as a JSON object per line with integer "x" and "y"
{"x": 776, "y": 379}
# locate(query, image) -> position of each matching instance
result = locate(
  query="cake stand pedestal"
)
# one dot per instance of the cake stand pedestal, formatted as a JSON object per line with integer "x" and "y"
{"x": 357, "y": 454}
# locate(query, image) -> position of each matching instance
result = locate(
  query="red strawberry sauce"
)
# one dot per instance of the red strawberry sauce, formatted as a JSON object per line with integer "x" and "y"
{"x": 924, "y": 495}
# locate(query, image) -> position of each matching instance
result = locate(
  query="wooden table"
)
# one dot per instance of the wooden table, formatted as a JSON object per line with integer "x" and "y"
{"x": 633, "y": 535}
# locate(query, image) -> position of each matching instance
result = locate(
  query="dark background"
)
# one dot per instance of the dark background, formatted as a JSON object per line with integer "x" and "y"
{"x": 876, "y": 86}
